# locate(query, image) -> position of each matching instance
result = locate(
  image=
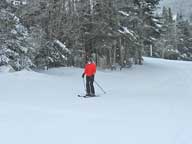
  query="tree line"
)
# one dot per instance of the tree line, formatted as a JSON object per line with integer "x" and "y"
{"x": 113, "y": 32}
{"x": 110, "y": 31}
{"x": 175, "y": 41}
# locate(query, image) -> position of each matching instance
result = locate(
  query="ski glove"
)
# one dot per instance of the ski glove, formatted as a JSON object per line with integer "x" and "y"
{"x": 83, "y": 75}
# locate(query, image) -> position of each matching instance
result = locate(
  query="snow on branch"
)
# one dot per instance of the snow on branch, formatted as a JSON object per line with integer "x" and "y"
{"x": 153, "y": 39}
{"x": 158, "y": 25}
{"x": 155, "y": 20}
{"x": 62, "y": 46}
{"x": 127, "y": 31}
{"x": 124, "y": 13}
{"x": 4, "y": 59}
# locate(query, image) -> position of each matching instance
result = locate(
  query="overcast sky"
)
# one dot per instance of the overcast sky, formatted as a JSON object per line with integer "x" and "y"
{"x": 184, "y": 6}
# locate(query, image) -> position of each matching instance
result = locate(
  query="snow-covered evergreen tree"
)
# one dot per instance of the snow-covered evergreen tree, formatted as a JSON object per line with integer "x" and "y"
{"x": 14, "y": 49}
{"x": 184, "y": 43}
{"x": 166, "y": 46}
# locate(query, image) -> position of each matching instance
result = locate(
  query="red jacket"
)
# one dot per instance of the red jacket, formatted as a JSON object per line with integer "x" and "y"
{"x": 90, "y": 69}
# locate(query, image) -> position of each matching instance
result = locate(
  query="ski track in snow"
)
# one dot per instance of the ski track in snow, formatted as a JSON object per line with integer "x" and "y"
{"x": 149, "y": 104}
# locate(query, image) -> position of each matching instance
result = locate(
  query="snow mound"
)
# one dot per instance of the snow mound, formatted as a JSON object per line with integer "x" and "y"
{"x": 6, "y": 69}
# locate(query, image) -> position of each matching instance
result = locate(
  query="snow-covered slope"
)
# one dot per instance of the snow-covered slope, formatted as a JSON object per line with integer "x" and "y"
{"x": 149, "y": 104}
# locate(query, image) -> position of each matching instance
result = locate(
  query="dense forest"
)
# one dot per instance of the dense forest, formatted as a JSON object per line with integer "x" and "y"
{"x": 52, "y": 33}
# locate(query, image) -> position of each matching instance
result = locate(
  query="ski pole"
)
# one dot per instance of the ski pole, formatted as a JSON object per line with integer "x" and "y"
{"x": 100, "y": 87}
{"x": 84, "y": 84}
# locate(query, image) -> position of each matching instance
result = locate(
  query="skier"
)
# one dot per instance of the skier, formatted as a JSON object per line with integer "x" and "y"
{"x": 89, "y": 72}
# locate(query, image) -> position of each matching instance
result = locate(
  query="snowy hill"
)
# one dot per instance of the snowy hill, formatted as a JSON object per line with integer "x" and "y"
{"x": 149, "y": 104}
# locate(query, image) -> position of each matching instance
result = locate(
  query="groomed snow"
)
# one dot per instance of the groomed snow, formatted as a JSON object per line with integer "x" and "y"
{"x": 149, "y": 104}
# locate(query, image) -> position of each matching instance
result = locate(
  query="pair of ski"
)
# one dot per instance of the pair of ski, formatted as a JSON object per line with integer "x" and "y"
{"x": 86, "y": 96}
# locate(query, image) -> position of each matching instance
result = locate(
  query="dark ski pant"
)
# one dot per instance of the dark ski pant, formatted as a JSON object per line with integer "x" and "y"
{"x": 89, "y": 85}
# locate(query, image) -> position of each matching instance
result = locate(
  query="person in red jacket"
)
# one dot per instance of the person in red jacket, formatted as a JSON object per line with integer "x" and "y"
{"x": 89, "y": 72}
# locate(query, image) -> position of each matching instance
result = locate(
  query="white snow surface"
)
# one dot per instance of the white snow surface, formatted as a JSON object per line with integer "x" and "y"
{"x": 149, "y": 104}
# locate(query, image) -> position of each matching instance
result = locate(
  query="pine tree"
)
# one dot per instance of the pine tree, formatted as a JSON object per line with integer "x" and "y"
{"x": 14, "y": 49}
{"x": 183, "y": 38}
{"x": 148, "y": 27}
